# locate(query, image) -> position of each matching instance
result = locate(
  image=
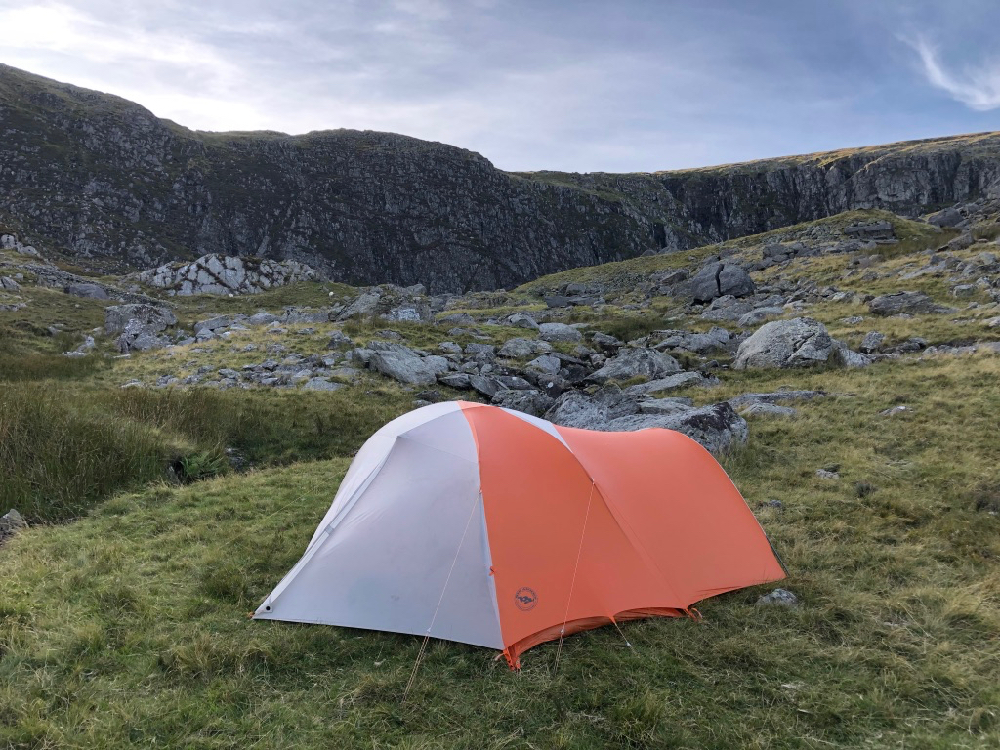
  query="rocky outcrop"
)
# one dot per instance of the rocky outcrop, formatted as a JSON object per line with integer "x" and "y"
{"x": 215, "y": 274}
{"x": 104, "y": 181}
{"x": 905, "y": 302}
{"x": 798, "y": 342}
{"x": 717, "y": 426}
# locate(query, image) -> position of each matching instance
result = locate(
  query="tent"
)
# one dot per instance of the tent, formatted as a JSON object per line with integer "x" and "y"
{"x": 486, "y": 526}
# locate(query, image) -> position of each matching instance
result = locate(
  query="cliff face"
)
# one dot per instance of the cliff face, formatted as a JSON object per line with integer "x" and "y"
{"x": 104, "y": 181}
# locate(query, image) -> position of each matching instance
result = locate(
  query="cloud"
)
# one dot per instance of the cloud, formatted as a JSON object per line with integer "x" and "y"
{"x": 977, "y": 87}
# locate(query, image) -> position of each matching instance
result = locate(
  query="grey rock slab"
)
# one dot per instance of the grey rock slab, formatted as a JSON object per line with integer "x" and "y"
{"x": 407, "y": 367}
{"x": 669, "y": 383}
{"x": 321, "y": 384}
{"x": 634, "y": 363}
{"x": 798, "y": 342}
{"x": 718, "y": 280}
{"x": 905, "y": 302}
{"x": 762, "y": 409}
{"x": 554, "y": 332}
{"x": 519, "y": 348}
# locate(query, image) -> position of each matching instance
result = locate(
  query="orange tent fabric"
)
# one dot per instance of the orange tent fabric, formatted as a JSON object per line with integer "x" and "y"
{"x": 572, "y": 529}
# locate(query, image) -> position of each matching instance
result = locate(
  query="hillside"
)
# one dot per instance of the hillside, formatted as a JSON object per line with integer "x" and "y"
{"x": 173, "y": 467}
{"x": 106, "y": 184}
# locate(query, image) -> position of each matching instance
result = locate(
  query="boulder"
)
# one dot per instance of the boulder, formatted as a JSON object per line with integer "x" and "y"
{"x": 717, "y": 427}
{"x": 363, "y": 306}
{"x": 152, "y": 317}
{"x": 408, "y": 367}
{"x": 545, "y": 363}
{"x": 8, "y": 284}
{"x": 520, "y": 348}
{"x": 88, "y": 291}
{"x": 10, "y": 523}
{"x": 530, "y": 402}
{"x": 669, "y": 383}
{"x": 905, "y": 302}
{"x": 636, "y": 363}
{"x": 718, "y": 280}
{"x": 798, "y": 342}
{"x": 555, "y": 332}
{"x": 762, "y": 409}
{"x": 716, "y": 339}
{"x": 872, "y": 342}
{"x": 226, "y": 274}
{"x": 521, "y": 320}
{"x": 946, "y": 218}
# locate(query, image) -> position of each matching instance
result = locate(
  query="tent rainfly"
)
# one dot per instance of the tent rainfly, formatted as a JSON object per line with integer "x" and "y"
{"x": 486, "y": 526}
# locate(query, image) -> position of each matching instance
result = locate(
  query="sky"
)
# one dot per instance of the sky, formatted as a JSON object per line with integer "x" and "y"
{"x": 579, "y": 86}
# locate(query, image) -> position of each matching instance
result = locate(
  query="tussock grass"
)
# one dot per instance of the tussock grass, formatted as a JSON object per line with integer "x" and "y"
{"x": 64, "y": 450}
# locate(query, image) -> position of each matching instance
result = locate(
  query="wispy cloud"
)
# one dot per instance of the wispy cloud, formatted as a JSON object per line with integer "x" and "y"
{"x": 977, "y": 86}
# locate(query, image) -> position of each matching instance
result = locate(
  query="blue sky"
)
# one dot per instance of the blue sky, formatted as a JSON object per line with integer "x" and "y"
{"x": 576, "y": 86}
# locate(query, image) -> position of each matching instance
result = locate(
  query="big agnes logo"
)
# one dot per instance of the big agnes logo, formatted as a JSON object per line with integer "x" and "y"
{"x": 525, "y": 598}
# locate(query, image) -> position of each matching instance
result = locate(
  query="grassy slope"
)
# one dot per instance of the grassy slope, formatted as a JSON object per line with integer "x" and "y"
{"x": 128, "y": 626}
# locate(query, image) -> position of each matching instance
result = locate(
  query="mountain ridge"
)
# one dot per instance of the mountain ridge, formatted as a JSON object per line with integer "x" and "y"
{"x": 109, "y": 185}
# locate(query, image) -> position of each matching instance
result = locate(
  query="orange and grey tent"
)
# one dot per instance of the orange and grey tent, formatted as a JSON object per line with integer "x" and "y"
{"x": 486, "y": 526}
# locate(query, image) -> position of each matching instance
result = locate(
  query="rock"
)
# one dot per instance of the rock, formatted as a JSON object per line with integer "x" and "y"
{"x": 606, "y": 342}
{"x": 363, "y": 306}
{"x": 321, "y": 384}
{"x": 89, "y": 291}
{"x": 848, "y": 357}
{"x": 758, "y": 316}
{"x": 636, "y": 363}
{"x": 780, "y": 598}
{"x": 480, "y": 351}
{"x": 530, "y": 402}
{"x": 407, "y": 367}
{"x": 10, "y": 523}
{"x": 521, "y": 320}
{"x": 85, "y": 348}
{"x": 339, "y": 341}
{"x": 226, "y": 274}
{"x": 824, "y": 474}
{"x": 872, "y": 342}
{"x": 798, "y": 342}
{"x": 717, "y": 427}
{"x": 905, "y": 302}
{"x": 718, "y": 280}
{"x": 665, "y": 406}
{"x": 871, "y": 231}
{"x": 964, "y": 291}
{"x": 717, "y": 339}
{"x": 727, "y": 308}
{"x": 213, "y": 324}
{"x": 9, "y": 285}
{"x": 459, "y": 380}
{"x": 546, "y": 363}
{"x": 457, "y": 319}
{"x": 894, "y": 410}
{"x": 762, "y": 409}
{"x": 152, "y": 317}
{"x": 485, "y": 386}
{"x": 738, "y": 402}
{"x": 669, "y": 383}
{"x": 962, "y": 242}
{"x": 262, "y": 318}
{"x": 449, "y": 347}
{"x": 946, "y": 218}
{"x": 555, "y": 332}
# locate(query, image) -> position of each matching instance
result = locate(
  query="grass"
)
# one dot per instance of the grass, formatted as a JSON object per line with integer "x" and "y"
{"x": 63, "y": 450}
{"x": 129, "y": 627}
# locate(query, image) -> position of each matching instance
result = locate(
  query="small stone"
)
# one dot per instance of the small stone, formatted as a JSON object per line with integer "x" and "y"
{"x": 824, "y": 474}
{"x": 779, "y": 597}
